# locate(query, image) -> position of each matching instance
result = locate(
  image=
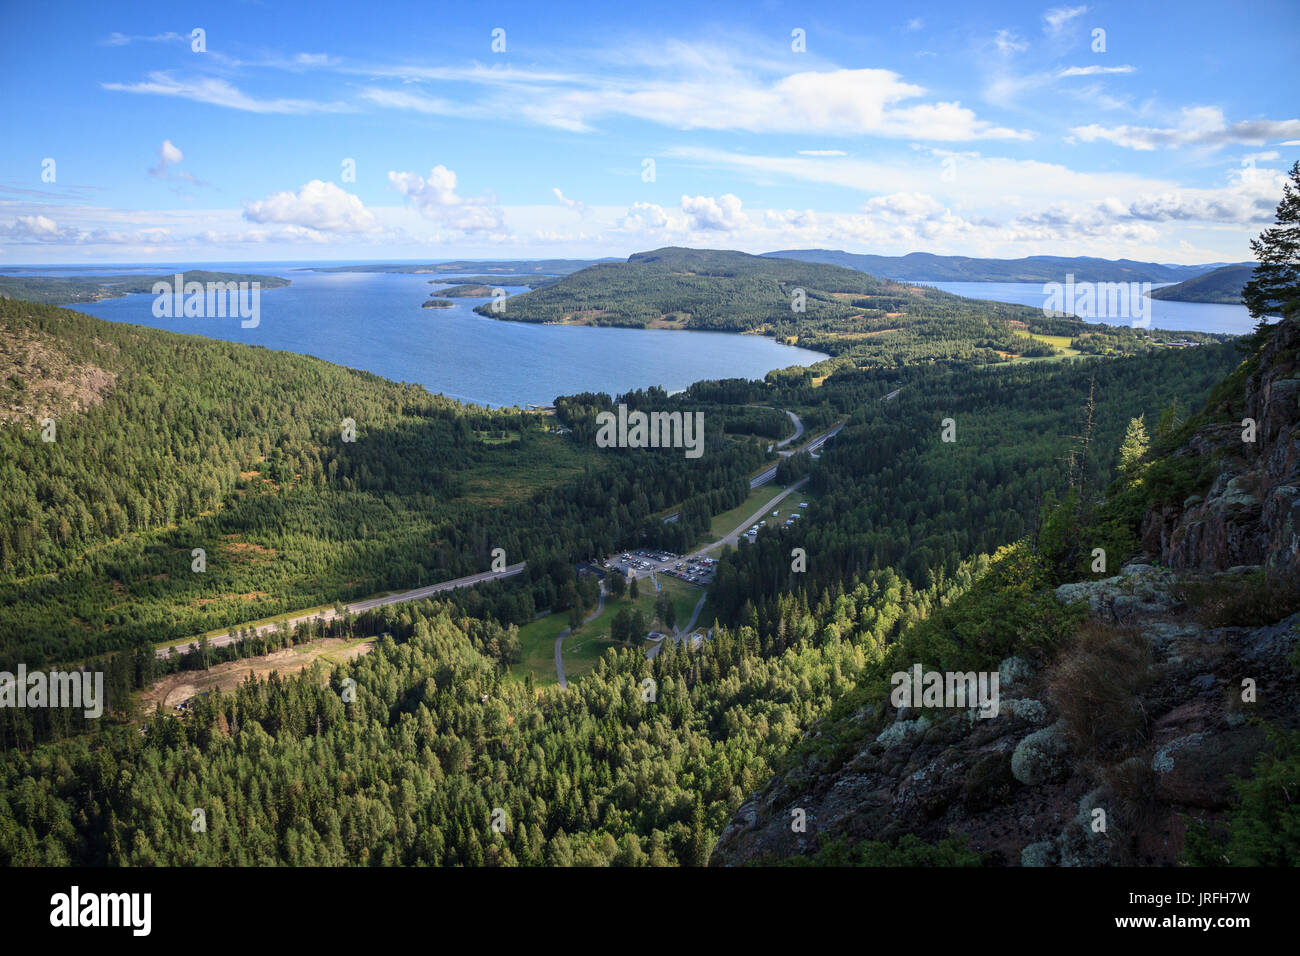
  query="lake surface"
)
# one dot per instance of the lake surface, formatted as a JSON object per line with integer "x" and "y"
{"x": 374, "y": 321}
{"x": 1178, "y": 316}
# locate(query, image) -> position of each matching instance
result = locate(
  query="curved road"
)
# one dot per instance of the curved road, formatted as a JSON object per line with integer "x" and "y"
{"x": 679, "y": 633}
{"x": 798, "y": 430}
{"x": 416, "y": 594}
{"x": 559, "y": 638}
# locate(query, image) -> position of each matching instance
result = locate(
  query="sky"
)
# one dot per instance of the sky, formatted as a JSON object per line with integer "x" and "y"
{"x": 248, "y": 131}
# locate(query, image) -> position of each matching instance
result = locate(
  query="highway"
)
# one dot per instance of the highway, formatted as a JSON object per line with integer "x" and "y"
{"x": 416, "y": 594}
{"x": 814, "y": 445}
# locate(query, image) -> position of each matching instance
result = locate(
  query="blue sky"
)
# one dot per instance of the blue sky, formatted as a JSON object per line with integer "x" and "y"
{"x": 1004, "y": 131}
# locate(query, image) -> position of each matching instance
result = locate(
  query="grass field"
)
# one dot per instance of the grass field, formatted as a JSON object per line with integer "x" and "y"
{"x": 726, "y": 522}
{"x": 586, "y": 646}
{"x": 1061, "y": 342}
{"x": 589, "y": 642}
{"x": 538, "y": 641}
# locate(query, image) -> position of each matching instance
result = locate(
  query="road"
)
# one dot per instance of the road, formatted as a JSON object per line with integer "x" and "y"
{"x": 768, "y": 474}
{"x": 416, "y": 594}
{"x": 679, "y": 633}
{"x": 559, "y": 639}
{"x": 816, "y": 444}
{"x": 798, "y": 429}
{"x": 734, "y": 537}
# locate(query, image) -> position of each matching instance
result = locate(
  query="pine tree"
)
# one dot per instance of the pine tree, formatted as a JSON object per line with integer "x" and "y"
{"x": 1275, "y": 285}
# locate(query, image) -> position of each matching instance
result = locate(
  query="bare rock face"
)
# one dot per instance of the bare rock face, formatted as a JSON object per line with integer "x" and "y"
{"x": 1013, "y": 785}
{"x": 1251, "y": 512}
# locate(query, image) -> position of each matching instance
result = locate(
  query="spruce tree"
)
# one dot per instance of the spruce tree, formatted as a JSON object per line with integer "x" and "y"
{"x": 1275, "y": 285}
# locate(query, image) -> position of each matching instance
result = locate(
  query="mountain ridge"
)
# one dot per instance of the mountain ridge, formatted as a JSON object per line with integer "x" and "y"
{"x": 928, "y": 267}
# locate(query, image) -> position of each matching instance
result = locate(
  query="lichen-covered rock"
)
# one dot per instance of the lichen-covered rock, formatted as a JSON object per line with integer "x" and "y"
{"x": 1041, "y": 757}
{"x": 1013, "y": 672}
{"x": 901, "y": 731}
{"x": 1139, "y": 590}
{"x": 1041, "y": 853}
{"x": 1026, "y": 709}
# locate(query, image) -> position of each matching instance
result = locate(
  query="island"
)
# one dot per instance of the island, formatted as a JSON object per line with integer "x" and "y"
{"x": 77, "y": 290}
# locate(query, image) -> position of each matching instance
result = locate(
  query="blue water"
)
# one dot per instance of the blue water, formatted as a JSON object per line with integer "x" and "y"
{"x": 1177, "y": 316}
{"x": 374, "y": 322}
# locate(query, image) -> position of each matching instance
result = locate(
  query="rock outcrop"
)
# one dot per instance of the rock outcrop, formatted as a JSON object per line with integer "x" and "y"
{"x": 1101, "y": 756}
{"x": 1250, "y": 514}
{"x": 1017, "y": 785}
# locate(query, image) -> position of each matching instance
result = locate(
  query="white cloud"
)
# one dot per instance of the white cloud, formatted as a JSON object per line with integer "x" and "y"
{"x": 318, "y": 205}
{"x": 1007, "y": 42}
{"x": 170, "y": 155}
{"x": 911, "y": 205}
{"x": 803, "y": 220}
{"x": 822, "y": 152}
{"x": 1096, "y": 70}
{"x": 123, "y": 39}
{"x": 644, "y": 217}
{"x": 709, "y": 94}
{"x": 405, "y": 100}
{"x": 576, "y": 205}
{"x": 435, "y": 198}
{"x": 1200, "y": 126}
{"x": 1056, "y": 20}
{"x": 34, "y": 227}
{"x": 722, "y": 214}
{"x": 218, "y": 92}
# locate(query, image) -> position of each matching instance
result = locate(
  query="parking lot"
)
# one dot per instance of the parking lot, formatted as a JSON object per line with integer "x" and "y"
{"x": 641, "y": 563}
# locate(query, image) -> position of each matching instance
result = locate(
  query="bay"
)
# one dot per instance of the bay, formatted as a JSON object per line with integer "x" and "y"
{"x": 374, "y": 321}
{"x": 1165, "y": 314}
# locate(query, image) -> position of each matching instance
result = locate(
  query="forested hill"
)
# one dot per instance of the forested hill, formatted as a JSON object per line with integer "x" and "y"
{"x": 162, "y": 443}
{"x": 925, "y": 267}
{"x": 68, "y": 290}
{"x": 1221, "y": 286}
{"x": 439, "y": 734}
{"x": 862, "y": 320}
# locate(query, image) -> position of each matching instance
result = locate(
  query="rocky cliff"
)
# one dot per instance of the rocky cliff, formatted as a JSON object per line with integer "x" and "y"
{"x": 1105, "y": 747}
{"x": 1250, "y": 513}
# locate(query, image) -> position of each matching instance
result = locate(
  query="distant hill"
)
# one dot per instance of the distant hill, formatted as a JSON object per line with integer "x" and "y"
{"x": 924, "y": 267}
{"x": 1221, "y": 286}
{"x": 74, "y": 290}
{"x": 856, "y": 317}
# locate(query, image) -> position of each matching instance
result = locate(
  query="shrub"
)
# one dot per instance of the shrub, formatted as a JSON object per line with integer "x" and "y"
{"x": 1241, "y": 600}
{"x": 1094, "y": 685}
{"x": 1264, "y": 828}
